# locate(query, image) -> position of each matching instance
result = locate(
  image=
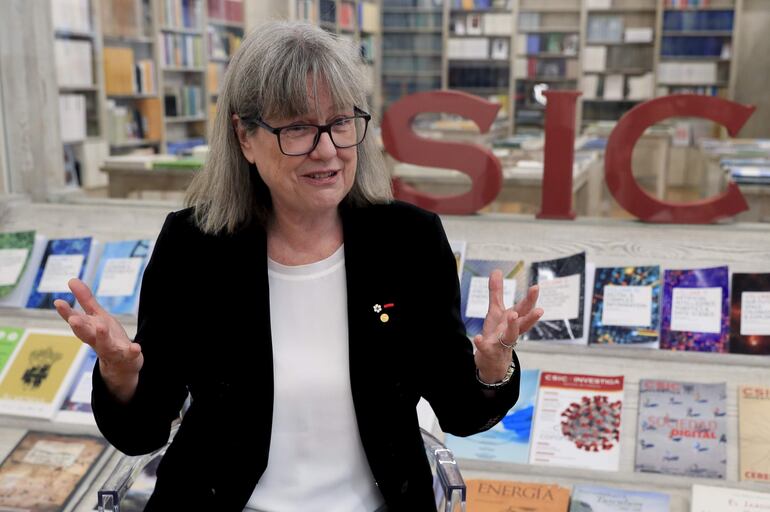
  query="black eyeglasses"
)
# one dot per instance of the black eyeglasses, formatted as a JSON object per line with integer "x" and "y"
{"x": 301, "y": 139}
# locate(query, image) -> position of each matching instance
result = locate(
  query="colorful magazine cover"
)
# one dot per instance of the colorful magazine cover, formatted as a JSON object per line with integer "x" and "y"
{"x": 682, "y": 428}
{"x": 509, "y": 440}
{"x": 474, "y": 289}
{"x": 750, "y": 314}
{"x": 625, "y": 306}
{"x": 76, "y": 407}
{"x": 592, "y": 498}
{"x": 562, "y": 284}
{"x": 9, "y": 340}
{"x": 754, "y": 433}
{"x": 39, "y": 373}
{"x": 15, "y": 252}
{"x": 706, "y": 498}
{"x": 510, "y": 496}
{"x": 695, "y": 310}
{"x": 577, "y": 421}
{"x": 63, "y": 259}
{"x": 45, "y": 469}
{"x": 119, "y": 275}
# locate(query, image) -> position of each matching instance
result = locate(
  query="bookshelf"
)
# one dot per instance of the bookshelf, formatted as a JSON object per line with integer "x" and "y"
{"x": 548, "y": 51}
{"x": 225, "y": 32}
{"x": 619, "y": 57}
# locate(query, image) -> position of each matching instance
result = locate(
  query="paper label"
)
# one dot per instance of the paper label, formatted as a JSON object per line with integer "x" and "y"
{"x": 11, "y": 263}
{"x": 628, "y": 306}
{"x": 755, "y": 313}
{"x": 560, "y": 298}
{"x": 696, "y": 310}
{"x": 60, "y": 268}
{"x": 54, "y": 453}
{"x": 478, "y": 296}
{"x": 119, "y": 277}
{"x": 82, "y": 392}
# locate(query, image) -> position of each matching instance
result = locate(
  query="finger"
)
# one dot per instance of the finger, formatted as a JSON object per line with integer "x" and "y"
{"x": 85, "y": 298}
{"x": 529, "y": 320}
{"x": 63, "y": 308}
{"x": 83, "y": 328}
{"x": 133, "y": 351}
{"x": 496, "y": 291}
{"x": 477, "y": 341}
{"x": 528, "y": 302}
{"x": 511, "y": 333}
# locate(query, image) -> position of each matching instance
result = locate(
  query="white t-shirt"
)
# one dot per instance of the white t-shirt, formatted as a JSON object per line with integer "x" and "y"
{"x": 316, "y": 460}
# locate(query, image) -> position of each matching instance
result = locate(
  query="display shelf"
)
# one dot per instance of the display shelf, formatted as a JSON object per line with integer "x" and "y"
{"x": 135, "y": 144}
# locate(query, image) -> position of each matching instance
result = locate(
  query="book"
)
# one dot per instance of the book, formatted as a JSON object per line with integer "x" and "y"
{"x": 614, "y": 87}
{"x": 592, "y": 498}
{"x": 563, "y": 297}
{"x": 74, "y": 63}
{"x": 71, "y": 15}
{"x": 578, "y": 421}
{"x": 38, "y": 374}
{"x": 9, "y": 340}
{"x": 750, "y": 313}
{"x": 119, "y": 275}
{"x": 509, "y": 496}
{"x": 72, "y": 117}
{"x": 474, "y": 289}
{"x": 754, "y": 433}
{"x": 682, "y": 428}
{"x": 509, "y": 440}
{"x": 16, "y": 296}
{"x": 594, "y": 58}
{"x": 459, "y": 248}
{"x": 706, "y": 498}
{"x": 626, "y": 306}
{"x": 76, "y": 407}
{"x": 45, "y": 469}
{"x": 118, "y": 70}
{"x": 15, "y": 252}
{"x": 63, "y": 259}
{"x": 695, "y": 310}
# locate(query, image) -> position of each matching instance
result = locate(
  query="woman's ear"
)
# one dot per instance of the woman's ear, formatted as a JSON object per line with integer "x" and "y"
{"x": 243, "y": 138}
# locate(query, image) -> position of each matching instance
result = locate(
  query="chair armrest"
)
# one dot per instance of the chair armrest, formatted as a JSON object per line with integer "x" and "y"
{"x": 448, "y": 483}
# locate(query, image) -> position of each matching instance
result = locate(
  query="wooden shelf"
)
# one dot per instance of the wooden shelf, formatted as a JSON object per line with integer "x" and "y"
{"x": 73, "y": 34}
{"x": 181, "y": 30}
{"x": 173, "y": 69}
{"x": 226, "y": 23}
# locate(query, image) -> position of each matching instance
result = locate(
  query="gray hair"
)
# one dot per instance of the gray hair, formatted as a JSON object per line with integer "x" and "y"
{"x": 268, "y": 77}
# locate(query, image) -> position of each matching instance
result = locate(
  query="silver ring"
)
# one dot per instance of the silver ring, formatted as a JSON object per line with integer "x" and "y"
{"x": 500, "y": 340}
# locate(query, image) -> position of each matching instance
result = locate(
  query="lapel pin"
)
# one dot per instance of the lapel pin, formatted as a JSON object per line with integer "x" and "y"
{"x": 377, "y": 308}
{"x": 384, "y": 317}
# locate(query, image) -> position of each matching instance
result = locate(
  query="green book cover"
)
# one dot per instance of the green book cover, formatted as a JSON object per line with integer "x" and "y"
{"x": 9, "y": 339}
{"x": 15, "y": 250}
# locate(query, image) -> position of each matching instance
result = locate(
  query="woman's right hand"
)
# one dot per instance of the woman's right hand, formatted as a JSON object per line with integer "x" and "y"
{"x": 120, "y": 359}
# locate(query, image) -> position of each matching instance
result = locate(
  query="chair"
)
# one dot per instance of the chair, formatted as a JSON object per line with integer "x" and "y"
{"x": 129, "y": 486}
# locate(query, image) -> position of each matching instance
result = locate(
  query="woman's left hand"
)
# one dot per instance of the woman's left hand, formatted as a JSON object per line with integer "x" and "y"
{"x": 502, "y": 326}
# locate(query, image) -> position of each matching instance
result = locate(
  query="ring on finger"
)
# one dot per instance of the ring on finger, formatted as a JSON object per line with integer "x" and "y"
{"x": 500, "y": 340}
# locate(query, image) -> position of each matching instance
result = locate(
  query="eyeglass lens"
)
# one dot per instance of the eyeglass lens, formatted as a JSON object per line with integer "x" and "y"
{"x": 300, "y": 139}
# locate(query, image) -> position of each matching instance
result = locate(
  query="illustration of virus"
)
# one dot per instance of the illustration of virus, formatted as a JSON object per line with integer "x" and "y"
{"x": 593, "y": 424}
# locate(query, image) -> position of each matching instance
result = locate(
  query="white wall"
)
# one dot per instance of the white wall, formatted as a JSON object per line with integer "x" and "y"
{"x": 753, "y": 61}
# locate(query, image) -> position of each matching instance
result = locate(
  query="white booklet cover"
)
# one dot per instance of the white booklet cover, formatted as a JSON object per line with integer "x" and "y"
{"x": 706, "y": 498}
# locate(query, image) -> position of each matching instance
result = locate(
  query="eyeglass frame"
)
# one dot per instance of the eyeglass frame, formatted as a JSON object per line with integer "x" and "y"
{"x": 325, "y": 128}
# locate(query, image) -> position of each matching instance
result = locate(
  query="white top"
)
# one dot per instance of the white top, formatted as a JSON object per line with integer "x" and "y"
{"x": 316, "y": 458}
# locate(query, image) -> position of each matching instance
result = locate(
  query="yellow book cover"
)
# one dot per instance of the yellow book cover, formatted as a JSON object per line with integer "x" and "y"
{"x": 508, "y": 496}
{"x": 118, "y": 70}
{"x": 37, "y": 377}
{"x": 754, "y": 433}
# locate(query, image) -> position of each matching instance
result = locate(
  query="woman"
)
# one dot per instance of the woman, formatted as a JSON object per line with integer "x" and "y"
{"x": 304, "y": 311}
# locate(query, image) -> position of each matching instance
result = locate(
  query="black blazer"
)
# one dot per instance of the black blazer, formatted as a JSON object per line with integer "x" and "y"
{"x": 204, "y": 327}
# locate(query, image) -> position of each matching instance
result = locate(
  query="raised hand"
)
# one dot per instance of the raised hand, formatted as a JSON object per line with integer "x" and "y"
{"x": 502, "y": 328}
{"x": 120, "y": 359}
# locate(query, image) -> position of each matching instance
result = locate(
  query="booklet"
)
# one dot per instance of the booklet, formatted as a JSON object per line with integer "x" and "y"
{"x": 63, "y": 259}
{"x": 750, "y": 314}
{"x": 119, "y": 275}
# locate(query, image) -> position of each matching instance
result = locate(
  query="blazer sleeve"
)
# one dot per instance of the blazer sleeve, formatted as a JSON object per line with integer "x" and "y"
{"x": 144, "y": 423}
{"x": 462, "y": 406}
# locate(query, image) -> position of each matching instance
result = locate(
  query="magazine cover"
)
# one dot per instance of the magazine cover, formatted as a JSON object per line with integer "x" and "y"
{"x": 44, "y": 470}
{"x": 76, "y": 407}
{"x": 15, "y": 251}
{"x": 722, "y": 499}
{"x": 508, "y": 441}
{"x": 119, "y": 275}
{"x": 682, "y": 428}
{"x": 16, "y": 295}
{"x": 509, "y": 496}
{"x": 625, "y": 306}
{"x": 754, "y": 433}
{"x": 474, "y": 289}
{"x": 592, "y": 498}
{"x": 577, "y": 423}
{"x": 750, "y": 314}
{"x": 695, "y": 310}
{"x": 562, "y": 296}
{"x": 63, "y": 259}
{"x": 39, "y": 373}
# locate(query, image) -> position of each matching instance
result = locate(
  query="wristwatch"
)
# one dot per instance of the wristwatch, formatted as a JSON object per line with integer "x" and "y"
{"x": 508, "y": 375}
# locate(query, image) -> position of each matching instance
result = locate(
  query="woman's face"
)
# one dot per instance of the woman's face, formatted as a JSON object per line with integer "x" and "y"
{"x": 308, "y": 184}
